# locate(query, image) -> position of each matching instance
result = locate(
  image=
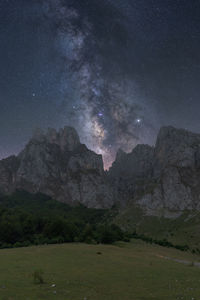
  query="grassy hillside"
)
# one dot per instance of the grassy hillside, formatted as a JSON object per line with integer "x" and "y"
{"x": 128, "y": 271}
{"x": 184, "y": 230}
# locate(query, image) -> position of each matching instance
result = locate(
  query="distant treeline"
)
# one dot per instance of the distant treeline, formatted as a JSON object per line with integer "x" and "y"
{"x": 163, "y": 243}
{"x": 27, "y": 219}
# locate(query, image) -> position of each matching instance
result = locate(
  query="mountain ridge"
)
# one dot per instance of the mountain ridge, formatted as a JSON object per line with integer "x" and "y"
{"x": 163, "y": 180}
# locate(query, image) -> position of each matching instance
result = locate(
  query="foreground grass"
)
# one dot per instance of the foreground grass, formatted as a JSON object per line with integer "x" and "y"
{"x": 135, "y": 271}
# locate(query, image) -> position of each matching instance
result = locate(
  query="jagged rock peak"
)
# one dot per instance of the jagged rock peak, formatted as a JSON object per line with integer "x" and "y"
{"x": 176, "y": 135}
{"x": 120, "y": 154}
{"x": 38, "y": 135}
{"x": 55, "y": 163}
{"x": 66, "y": 138}
{"x": 135, "y": 163}
{"x": 176, "y": 147}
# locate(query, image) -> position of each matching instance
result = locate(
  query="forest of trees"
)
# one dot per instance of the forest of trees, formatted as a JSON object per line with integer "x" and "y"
{"x": 27, "y": 219}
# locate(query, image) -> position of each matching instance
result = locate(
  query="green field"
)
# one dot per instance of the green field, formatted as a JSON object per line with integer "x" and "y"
{"x": 134, "y": 271}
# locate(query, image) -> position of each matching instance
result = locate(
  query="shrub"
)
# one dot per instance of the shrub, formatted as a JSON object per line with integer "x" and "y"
{"x": 38, "y": 277}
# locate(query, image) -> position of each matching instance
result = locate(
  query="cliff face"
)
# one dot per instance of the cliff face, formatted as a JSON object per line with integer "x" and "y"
{"x": 176, "y": 166}
{"x": 164, "y": 180}
{"x": 57, "y": 164}
{"x": 130, "y": 172}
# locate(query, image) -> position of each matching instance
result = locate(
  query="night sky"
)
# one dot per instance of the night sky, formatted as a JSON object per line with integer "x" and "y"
{"x": 116, "y": 70}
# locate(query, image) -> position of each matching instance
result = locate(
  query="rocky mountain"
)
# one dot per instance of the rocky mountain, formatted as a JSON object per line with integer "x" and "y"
{"x": 57, "y": 164}
{"x": 163, "y": 180}
{"x": 130, "y": 172}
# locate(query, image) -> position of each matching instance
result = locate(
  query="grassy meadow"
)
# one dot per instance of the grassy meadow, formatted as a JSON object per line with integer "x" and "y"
{"x": 125, "y": 271}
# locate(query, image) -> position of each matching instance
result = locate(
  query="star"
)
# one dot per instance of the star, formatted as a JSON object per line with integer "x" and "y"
{"x": 138, "y": 121}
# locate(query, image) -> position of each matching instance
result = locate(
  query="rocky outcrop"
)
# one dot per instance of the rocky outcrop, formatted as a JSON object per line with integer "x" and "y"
{"x": 176, "y": 147}
{"x": 130, "y": 172}
{"x": 8, "y": 173}
{"x": 176, "y": 167}
{"x": 57, "y": 164}
{"x": 164, "y": 180}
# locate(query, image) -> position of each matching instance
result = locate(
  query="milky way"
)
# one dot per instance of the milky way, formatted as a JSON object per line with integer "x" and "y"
{"x": 109, "y": 110}
{"x": 115, "y": 70}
